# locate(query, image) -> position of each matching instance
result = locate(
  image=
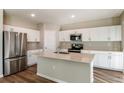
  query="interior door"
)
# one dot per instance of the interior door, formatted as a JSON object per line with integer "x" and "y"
{"x": 50, "y": 41}
{"x": 9, "y": 44}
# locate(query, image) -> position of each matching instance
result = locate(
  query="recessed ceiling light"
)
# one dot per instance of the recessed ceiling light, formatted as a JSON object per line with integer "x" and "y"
{"x": 32, "y": 15}
{"x": 72, "y": 16}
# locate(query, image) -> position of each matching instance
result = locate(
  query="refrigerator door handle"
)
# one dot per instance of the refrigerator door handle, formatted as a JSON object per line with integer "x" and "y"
{"x": 22, "y": 39}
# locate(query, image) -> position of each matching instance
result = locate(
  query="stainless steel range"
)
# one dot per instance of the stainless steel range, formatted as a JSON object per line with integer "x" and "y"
{"x": 75, "y": 47}
{"x": 15, "y": 52}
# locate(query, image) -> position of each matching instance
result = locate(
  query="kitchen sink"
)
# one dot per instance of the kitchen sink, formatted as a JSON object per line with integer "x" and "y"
{"x": 62, "y": 52}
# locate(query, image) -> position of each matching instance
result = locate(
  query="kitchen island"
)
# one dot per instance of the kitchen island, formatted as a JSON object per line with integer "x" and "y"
{"x": 72, "y": 67}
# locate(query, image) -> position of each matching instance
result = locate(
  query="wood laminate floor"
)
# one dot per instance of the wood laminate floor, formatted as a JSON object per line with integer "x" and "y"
{"x": 29, "y": 76}
{"x": 108, "y": 76}
{"x": 26, "y": 76}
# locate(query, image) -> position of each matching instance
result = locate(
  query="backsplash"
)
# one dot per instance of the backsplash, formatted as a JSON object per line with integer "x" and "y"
{"x": 96, "y": 45}
{"x": 33, "y": 45}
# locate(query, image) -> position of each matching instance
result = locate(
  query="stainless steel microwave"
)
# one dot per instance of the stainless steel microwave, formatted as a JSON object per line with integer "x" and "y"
{"x": 75, "y": 37}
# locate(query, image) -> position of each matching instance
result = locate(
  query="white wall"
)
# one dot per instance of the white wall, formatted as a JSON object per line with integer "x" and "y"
{"x": 41, "y": 29}
{"x": 92, "y": 23}
{"x": 1, "y": 34}
{"x": 19, "y": 21}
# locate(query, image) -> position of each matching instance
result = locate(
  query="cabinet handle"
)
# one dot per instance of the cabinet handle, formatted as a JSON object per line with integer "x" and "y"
{"x": 109, "y": 57}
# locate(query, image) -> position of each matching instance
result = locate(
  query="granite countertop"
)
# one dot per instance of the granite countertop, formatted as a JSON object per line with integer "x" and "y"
{"x": 74, "y": 57}
{"x": 105, "y": 51}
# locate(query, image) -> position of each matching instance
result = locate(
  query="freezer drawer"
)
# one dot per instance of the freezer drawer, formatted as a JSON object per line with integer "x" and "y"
{"x": 22, "y": 63}
{"x": 11, "y": 66}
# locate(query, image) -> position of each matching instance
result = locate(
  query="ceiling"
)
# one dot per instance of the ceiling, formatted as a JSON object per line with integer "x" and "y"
{"x": 63, "y": 16}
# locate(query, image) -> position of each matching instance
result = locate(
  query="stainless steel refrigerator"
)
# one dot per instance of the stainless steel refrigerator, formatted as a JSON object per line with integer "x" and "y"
{"x": 15, "y": 52}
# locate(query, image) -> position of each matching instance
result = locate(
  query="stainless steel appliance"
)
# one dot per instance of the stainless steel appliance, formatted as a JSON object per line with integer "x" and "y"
{"x": 75, "y": 47}
{"x": 76, "y": 37}
{"x": 15, "y": 52}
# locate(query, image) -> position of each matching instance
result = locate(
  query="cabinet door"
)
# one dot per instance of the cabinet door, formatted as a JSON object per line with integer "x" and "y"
{"x": 94, "y": 34}
{"x": 33, "y": 36}
{"x": 99, "y": 34}
{"x": 30, "y": 36}
{"x": 64, "y": 36}
{"x": 86, "y": 35}
{"x": 67, "y": 35}
{"x": 96, "y": 61}
{"x": 37, "y": 36}
{"x": 118, "y": 33}
{"x": 60, "y": 36}
{"x": 103, "y": 60}
{"x": 115, "y": 33}
{"x": 117, "y": 61}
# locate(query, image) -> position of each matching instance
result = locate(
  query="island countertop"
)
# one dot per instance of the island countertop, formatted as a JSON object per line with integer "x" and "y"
{"x": 75, "y": 57}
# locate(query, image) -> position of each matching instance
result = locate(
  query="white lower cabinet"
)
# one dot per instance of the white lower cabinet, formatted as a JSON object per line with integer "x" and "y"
{"x": 31, "y": 56}
{"x": 103, "y": 60}
{"x": 116, "y": 61}
{"x": 107, "y": 60}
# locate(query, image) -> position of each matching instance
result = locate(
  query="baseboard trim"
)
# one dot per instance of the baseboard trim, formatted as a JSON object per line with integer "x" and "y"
{"x": 1, "y": 75}
{"x": 51, "y": 78}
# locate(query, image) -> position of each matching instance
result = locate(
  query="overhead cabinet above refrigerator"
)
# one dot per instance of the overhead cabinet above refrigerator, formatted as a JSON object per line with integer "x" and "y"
{"x": 32, "y": 35}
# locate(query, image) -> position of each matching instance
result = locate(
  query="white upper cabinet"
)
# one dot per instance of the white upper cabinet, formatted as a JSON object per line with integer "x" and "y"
{"x": 114, "y": 33}
{"x": 32, "y": 35}
{"x": 99, "y": 34}
{"x": 108, "y": 33}
{"x": 85, "y": 34}
{"x": 64, "y": 35}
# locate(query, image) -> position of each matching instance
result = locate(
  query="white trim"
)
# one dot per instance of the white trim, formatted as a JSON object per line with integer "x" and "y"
{"x": 51, "y": 78}
{"x": 1, "y": 75}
